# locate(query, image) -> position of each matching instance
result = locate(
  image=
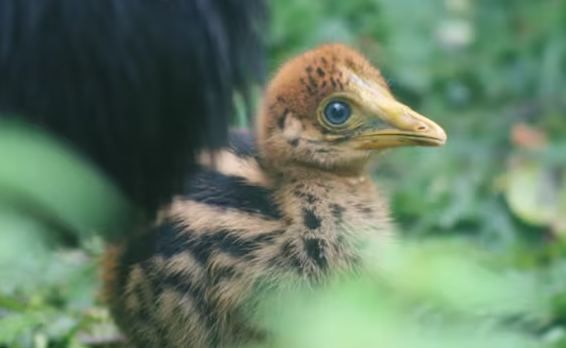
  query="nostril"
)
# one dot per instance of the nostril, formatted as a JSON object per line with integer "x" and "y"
{"x": 421, "y": 128}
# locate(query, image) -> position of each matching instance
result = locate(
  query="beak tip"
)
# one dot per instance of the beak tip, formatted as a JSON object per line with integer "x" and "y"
{"x": 439, "y": 134}
{"x": 443, "y": 137}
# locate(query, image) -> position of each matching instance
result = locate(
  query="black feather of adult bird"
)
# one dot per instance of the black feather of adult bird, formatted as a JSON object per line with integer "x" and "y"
{"x": 137, "y": 86}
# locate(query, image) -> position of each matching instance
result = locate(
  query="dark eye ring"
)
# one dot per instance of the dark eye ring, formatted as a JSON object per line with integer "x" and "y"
{"x": 337, "y": 112}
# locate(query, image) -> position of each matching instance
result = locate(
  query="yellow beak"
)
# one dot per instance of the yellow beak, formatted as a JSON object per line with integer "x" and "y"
{"x": 400, "y": 126}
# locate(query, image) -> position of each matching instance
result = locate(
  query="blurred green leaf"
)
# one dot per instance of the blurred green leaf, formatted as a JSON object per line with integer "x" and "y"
{"x": 13, "y": 326}
{"x": 536, "y": 194}
{"x": 39, "y": 173}
{"x": 434, "y": 295}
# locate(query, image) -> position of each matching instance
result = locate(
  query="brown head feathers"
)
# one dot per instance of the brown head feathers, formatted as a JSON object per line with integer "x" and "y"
{"x": 330, "y": 108}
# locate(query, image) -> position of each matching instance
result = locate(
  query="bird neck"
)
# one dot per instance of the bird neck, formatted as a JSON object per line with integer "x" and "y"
{"x": 292, "y": 171}
{"x": 330, "y": 184}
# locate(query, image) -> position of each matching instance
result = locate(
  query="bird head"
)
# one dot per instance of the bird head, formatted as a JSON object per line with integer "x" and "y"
{"x": 331, "y": 108}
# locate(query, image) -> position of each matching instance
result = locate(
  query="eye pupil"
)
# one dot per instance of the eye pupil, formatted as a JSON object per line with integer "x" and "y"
{"x": 337, "y": 112}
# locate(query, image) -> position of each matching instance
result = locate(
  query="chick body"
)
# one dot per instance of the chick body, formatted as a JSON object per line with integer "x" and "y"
{"x": 288, "y": 208}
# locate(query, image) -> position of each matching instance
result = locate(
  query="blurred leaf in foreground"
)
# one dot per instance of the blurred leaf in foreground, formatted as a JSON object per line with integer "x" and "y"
{"x": 436, "y": 295}
{"x": 49, "y": 180}
{"x": 535, "y": 185}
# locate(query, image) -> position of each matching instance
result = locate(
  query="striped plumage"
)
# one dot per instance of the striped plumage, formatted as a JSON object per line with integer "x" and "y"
{"x": 287, "y": 207}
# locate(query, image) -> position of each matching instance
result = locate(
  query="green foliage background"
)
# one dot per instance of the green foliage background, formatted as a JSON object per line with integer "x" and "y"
{"x": 493, "y": 74}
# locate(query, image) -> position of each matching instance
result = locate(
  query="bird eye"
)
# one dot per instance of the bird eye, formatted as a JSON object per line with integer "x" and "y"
{"x": 337, "y": 112}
